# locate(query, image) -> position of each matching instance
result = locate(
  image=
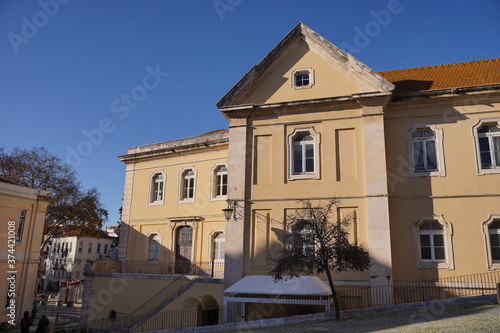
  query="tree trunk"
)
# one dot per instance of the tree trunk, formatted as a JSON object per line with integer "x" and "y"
{"x": 334, "y": 294}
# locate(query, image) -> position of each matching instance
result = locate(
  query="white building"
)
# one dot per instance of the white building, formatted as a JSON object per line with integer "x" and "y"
{"x": 67, "y": 254}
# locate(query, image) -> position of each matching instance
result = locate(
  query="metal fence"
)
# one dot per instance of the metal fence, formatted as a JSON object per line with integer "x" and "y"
{"x": 397, "y": 293}
{"x": 211, "y": 269}
{"x": 195, "y": 316}
{"x": 420, "y": 291}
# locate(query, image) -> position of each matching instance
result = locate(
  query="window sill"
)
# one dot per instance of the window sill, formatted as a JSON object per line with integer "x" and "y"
{"x": 434, "y": 265}
{"x": 304, "y": 176}
{"x": 184, "y": 201}
{"x": 483, "y": 172}
{"x": 219, "y": 198}
{"x": 494, "y": 266}
{"x": 436, "y": 173}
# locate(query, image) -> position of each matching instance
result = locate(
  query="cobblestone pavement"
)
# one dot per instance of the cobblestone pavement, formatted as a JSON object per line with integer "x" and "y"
{"x": 66, "y": 318}
{"x": 464, "y": 318}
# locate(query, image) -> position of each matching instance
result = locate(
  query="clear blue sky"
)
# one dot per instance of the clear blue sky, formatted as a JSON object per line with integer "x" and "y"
{"x": 67, "y": 67}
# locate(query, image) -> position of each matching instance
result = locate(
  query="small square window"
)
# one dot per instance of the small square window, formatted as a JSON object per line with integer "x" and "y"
{"x": 302, "y": 78}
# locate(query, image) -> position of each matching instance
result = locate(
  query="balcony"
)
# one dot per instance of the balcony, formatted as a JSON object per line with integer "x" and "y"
{"x": 200, "y": 269}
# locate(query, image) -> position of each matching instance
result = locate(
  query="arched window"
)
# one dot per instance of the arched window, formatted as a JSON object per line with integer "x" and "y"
{"x": 425, "y": 145}
{"x": 303, "y": 154}
{"x": 491, "y": 231}
{"x": 303, "y": 237}
{"x": 187, "y": 185}
{"x": 433, "y": 243}
{"x": 154, "y": 247}
{"x": 219, "y": 246}
{"x": 488, "y": 136}
{"x": 157, "y": 188}
{"x": 424, "y": 150}
{"x": 221, "y": 181}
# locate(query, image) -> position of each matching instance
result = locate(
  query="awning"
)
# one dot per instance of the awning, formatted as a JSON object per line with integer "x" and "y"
{"x": 265, "y": 285}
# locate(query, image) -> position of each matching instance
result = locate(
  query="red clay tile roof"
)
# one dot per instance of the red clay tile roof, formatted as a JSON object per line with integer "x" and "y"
{"x": 463, "y": 74}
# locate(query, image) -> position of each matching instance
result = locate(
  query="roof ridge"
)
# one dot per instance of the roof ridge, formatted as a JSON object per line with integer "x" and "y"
{"x": 444, "y": 65}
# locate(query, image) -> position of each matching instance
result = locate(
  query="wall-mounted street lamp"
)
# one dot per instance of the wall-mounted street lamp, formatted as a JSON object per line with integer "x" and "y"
{"x": 230, "y": 211}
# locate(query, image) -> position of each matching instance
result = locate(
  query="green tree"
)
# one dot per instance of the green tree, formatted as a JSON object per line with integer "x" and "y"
{"x": 315, "y": 241}
{"x": 71, "y": 206}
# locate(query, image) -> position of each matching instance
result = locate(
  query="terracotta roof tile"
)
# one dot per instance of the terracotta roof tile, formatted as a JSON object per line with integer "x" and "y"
{"x": 463, "y": 74}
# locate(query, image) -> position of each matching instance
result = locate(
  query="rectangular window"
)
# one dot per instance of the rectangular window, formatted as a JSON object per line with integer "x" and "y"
{"x": 20, "y": 226}
{"x": 90, "y": 247}
{"x": 80, "y": 247}
{"x": 105, "y": 248}
{"x": 98, "y": 248}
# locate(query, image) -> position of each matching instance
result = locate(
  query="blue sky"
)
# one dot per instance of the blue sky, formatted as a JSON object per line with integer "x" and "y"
{"x": 88, "y": 79}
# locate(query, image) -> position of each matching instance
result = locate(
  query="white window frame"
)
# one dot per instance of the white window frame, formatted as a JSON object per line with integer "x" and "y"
{"x": 20, "y": 225}
{"x": 151, "y": 235}
{"x": 215, "y": 182}
{"x": 182, "y": 178}
{"x": 213, "y": 238}
{"x": 448, "y": 262}
{"x": 439, "y": 138}
{"x": 302, "y": 232}
{"x": 299, "y": 71}
{"x": 153, "y": 198}
{"x": 89, "y": 247}
{"x": 492, "y": 265}
{"x": 476, "y": 136}
{"x": 316, "y": 144}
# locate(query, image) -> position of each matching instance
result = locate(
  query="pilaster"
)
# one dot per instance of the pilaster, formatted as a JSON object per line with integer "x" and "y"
{"x": 377, "y": 201}
{"x": 235, "y": 229}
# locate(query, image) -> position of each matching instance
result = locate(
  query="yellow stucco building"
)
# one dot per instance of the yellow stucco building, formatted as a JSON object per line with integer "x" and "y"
{"x": 412, "y": 154}
{"x": 22, "y": 216}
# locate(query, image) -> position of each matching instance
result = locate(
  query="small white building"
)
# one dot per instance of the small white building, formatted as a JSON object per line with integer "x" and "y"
{"x": 68, "y": 252}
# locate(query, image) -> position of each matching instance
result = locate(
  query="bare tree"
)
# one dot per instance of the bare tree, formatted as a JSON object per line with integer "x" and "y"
{"x": 71, "y": 205}
{"x": 315, "y": 242}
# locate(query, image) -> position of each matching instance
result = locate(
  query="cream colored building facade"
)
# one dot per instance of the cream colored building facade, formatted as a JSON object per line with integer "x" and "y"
{"x": 412, "y": 155}
{"x": 22, "y": 216}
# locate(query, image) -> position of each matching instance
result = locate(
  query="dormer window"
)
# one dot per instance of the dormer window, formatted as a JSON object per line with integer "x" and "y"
{"x": 302, "y": 78}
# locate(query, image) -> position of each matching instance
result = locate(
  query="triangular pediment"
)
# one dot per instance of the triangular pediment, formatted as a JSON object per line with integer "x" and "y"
{"x": 331, "y": 73}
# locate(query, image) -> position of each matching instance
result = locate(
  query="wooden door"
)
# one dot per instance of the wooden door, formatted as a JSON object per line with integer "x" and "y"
{"x": 184, "y": 245}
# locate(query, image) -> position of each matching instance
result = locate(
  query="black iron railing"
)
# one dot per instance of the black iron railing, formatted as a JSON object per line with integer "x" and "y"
{"x": 211, "y": 269}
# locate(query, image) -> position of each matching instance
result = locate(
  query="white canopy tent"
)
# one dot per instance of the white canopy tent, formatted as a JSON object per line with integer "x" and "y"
{"x": 305, "y": 290}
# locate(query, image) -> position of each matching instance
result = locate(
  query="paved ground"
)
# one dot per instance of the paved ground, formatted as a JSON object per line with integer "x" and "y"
{"x": 464, "y": 318}
{"x": 66, "y": 318}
